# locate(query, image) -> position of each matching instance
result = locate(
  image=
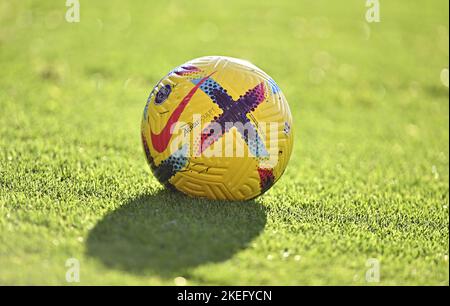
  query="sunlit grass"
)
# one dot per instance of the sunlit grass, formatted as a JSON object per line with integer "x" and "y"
{"x": 368, "y": 177}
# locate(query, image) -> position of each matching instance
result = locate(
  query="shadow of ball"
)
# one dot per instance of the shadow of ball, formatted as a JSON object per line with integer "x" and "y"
{"x": 167, "y": 233}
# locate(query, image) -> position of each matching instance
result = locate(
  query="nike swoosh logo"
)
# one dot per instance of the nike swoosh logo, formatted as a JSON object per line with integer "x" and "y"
{"x": 161, "y": 141}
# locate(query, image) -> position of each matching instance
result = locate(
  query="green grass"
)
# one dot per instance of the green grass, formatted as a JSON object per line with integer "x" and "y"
{"x": 368, "y": 177}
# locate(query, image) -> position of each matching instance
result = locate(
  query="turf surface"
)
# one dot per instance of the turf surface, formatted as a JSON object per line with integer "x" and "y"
{"x": 368, "y": 177}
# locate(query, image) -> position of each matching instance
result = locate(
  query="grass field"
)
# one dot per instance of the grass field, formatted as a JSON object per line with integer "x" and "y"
{"x": 368, "y": 178}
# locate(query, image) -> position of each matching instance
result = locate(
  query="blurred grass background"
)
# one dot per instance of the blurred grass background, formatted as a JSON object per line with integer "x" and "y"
{"x": 368, "y": 177}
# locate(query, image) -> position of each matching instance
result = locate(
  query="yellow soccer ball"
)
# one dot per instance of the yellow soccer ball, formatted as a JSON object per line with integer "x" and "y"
{"x": 219, "y": 128}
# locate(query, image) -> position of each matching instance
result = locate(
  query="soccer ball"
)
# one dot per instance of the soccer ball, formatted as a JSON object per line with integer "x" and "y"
{"x": 219, "y": 128}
